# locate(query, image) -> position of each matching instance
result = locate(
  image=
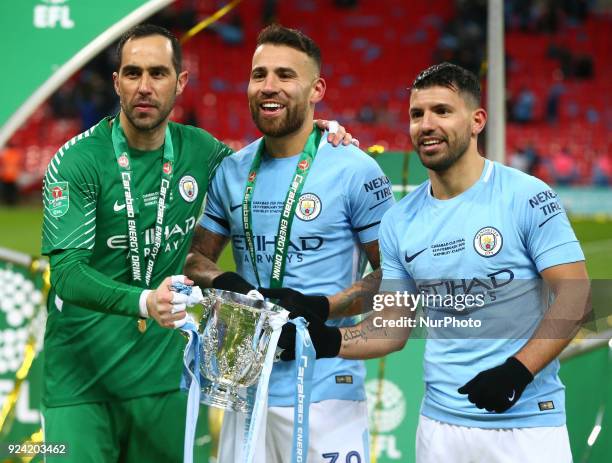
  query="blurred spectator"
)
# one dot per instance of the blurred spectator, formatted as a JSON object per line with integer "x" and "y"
{"x": 346, "y": 3}
{"x": 463, "y": 37}
{"x": 269, "y": 12}
{"x": 367, "y": 114}
{"x": 562, "y": 168}
{"x": 519, "y": 14}
{"x": 231, "y": 32}
{"x": 525, "y": 159}
{"x": 575, "y": 10}
{"x": 522, "y": 110}
{"x": 602, "y": 171}
{"x": 519, "y": 160}
{"x": 62, "y": 101}
{"x": 583, "y": 67}
{"x": 548, "y": 18}
{"x": 533, "y": 157}
{"x": 10, "y": 167}
{"x": 592, "y": 115}
{"x": 572, "y": 65}
{"x": 553, "y": 99}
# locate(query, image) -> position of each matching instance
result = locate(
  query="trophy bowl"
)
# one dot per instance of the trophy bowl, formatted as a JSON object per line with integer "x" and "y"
{"x": 235, "y": 332}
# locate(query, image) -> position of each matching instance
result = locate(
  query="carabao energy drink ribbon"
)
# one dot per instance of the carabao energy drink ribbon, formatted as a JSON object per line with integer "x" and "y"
{"x": 304, "y": 362}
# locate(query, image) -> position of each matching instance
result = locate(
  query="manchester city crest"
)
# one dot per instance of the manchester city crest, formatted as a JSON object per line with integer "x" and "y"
{"x": 188, "y": 187}
{"x": 309, "y": 207}
{"x": 488, "y": 241}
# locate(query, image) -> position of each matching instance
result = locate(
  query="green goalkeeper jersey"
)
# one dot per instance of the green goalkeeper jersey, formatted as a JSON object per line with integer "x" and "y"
{"x": 94, "y": 350}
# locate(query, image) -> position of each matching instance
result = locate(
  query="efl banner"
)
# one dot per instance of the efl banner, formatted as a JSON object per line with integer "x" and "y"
{"x": 46, "y": 41}
{"x": 22, "y": 324}
{"x": 394, "y": 388}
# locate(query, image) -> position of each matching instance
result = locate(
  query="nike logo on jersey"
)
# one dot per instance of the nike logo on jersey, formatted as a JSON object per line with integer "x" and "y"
{"x": 511, "y": 398}
{"x": 118, "y": 207}
{"x": 412, "y": 257}
{"x": 551, "y": 217}
{"x": 233, "y": 208}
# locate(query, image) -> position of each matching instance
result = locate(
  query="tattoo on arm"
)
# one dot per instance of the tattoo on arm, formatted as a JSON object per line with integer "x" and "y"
{"x": 374, "y": 336}
{"x": 362, "y": 332}
{"x": 355, "y": 300}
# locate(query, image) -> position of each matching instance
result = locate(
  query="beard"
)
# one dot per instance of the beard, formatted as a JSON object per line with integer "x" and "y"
{"x": 441, "y": 162}
{"x": 291, "y": 122}
{"x": 147, "y": 122}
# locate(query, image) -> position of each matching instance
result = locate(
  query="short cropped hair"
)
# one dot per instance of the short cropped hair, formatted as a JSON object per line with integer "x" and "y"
{"x": 146, "y": 30}
{"x": 450, "y": 76}
{"x": 276, "y": 34}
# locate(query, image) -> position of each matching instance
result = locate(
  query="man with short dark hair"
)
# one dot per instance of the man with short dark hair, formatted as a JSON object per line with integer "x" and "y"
{"x": 299, "y": 216}
{"x": 479, "y": 245}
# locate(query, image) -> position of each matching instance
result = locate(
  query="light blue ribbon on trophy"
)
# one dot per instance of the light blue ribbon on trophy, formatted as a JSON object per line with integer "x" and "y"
{"x": 252, "y": 423}
{"x": 191, "y": 381}
{"x": 305, "y": 356}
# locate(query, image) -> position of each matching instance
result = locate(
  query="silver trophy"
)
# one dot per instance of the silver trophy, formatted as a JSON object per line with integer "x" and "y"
{"x": 235, "y": 332}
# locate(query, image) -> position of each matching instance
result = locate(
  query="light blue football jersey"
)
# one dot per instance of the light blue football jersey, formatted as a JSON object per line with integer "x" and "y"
{"x": 341, "y": 205}
{"x": 491, "y": 241}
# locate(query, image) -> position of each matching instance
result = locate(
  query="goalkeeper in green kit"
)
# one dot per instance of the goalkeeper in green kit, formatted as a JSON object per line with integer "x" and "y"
{"x": 121, "y": 201}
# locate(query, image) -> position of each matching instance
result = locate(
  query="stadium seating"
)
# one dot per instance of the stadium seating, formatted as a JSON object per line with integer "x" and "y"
{"x": 371, "y": 54}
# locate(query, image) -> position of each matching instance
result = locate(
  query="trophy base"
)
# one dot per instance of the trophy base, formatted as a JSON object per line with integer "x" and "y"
{"x": 224, "y": 397}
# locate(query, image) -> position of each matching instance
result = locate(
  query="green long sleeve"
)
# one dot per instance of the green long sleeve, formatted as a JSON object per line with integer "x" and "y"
{"x": 76, "y": 282}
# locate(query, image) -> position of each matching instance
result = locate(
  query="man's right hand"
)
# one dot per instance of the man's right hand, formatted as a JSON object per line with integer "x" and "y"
{"x": 231, "y": 281}
{"x": 325, "y": 339}
{"x": 298, "y": 304}
{"x": 167, "y": 307}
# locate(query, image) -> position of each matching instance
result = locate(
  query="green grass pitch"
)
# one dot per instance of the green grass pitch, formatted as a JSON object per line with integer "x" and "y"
{"x": 20, "y": 231}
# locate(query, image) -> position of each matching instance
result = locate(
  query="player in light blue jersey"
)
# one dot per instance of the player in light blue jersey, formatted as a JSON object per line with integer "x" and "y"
{"x": 339, "y": 195}
{"x": 477, "y": 245}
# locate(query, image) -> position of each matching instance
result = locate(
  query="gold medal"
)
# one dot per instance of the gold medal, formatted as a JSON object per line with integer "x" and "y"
{"x": 142, "y": 325}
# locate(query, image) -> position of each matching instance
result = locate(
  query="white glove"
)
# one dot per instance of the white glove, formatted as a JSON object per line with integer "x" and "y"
{"x": 255, "y": 295}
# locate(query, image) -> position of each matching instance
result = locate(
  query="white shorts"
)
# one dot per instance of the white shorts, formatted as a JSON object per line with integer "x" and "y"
{"x": 437, "y": 441}
{"x": 338, "y": 433}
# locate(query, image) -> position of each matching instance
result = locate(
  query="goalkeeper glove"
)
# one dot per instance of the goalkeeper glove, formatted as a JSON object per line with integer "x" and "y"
{"x": 325, "y": 339}
{"x": 231, "y": 281}
{"x": 298, "y": 304}
{"x": 499, "y": 388}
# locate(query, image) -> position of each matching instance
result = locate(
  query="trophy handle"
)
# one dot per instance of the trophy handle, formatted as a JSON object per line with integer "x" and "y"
{"x": 208, "y": 301}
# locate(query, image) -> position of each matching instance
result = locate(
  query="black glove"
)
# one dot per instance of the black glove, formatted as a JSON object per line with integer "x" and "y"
{"x": 231, "y": 281}
{"x": 325, "y": 339}
{"x": 298, "y": 304}
{"x": 499, "y": 388}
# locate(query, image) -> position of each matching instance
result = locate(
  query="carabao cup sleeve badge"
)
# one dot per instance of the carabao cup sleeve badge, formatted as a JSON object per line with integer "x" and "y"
{"x": 58, "y": 198}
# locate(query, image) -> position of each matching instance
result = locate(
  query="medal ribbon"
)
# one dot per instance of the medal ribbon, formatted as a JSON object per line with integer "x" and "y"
{"x": 281, "y": 243}
{"x": 136, "y": 252}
